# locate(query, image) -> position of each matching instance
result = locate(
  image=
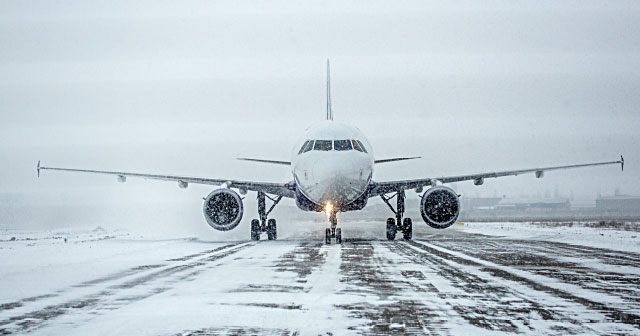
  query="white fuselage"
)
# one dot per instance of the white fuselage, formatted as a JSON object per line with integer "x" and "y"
{"x": 338, "y": 166}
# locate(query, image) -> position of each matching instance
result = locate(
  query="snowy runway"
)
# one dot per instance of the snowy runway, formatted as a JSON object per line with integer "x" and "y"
{"x": 442, "y": 283}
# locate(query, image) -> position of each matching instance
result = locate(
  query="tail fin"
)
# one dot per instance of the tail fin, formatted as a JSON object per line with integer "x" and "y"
{"x": 329, "y": 110}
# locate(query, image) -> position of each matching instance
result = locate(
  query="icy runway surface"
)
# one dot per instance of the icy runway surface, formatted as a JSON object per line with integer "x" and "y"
{"x": 447, "y": 282}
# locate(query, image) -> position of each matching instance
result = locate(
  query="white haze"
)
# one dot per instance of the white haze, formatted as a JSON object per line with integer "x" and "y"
{"x": 186, "y": 87}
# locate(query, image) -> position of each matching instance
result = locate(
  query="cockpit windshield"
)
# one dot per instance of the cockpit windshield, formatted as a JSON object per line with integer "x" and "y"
{"x": 342, "y": 145}
{"x": 308, "y": 147}
{"x": 328, "y": 145}
{"x": 303, "y": 147}
{"x": 357, "y": 145}
{"x": 323, "y": 145}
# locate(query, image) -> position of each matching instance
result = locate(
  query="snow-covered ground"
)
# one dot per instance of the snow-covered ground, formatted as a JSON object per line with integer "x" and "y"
{"x": 512, "y": 278}
{"x": 577, "y": 234}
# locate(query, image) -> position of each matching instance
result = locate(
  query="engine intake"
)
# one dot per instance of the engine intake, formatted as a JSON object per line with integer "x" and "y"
{"x": 440, "y": 207}
{"x": 223, "y": 209}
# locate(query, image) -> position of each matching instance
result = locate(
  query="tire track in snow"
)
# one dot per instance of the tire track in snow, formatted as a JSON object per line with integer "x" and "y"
{"x": 239, "y": 331}
{"x": 390, "y": 304}
{"x": 565, "y": 263}
{"x": 110, "y": 277}
{"x": 484, "y": 303}
{"x": 579, "y": 317}
{"x": 116, "y": 295}
{"x": 290, "y": 279}
{"x": 303, "y": 260}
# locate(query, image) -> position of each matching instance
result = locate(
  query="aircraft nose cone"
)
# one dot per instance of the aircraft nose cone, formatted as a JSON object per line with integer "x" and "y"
{"x": 338, "y": 183}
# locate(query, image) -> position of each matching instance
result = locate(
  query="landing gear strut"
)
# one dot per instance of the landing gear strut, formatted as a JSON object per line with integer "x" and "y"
{"x": 398, "y": 224}
{"x": 262, "y": 224}
{"x": 333, "y": 231}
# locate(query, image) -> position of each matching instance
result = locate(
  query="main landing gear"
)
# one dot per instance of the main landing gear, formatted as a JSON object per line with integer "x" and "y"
{"x": 333, "y": 231}
{"x": 262, "y": 224}
{"x": 398, "y": 224}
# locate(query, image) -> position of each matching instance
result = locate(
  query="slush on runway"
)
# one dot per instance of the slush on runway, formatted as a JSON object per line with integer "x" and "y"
{"x": 440, "y": 283}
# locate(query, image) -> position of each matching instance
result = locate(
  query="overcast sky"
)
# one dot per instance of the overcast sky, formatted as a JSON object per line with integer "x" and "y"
{"x": 184, "y": 87}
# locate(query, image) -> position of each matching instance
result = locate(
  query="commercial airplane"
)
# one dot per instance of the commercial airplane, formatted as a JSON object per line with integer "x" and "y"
{"x": 332, "y": 167}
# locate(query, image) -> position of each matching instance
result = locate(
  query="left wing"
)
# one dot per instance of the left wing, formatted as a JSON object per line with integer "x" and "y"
{"x": 279, "y": 189}
{"x": 397, "y": 159}
{"x": 380, "y": 188}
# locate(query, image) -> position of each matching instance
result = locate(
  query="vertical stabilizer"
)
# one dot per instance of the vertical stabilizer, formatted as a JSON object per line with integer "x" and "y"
{"x": 329, "y": 110}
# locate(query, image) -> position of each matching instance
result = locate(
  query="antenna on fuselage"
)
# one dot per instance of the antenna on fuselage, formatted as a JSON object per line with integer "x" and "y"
{"x": 329, "y": 110}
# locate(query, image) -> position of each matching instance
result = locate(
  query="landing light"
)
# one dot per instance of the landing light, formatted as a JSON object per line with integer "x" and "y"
{"x": 328, "y": 208}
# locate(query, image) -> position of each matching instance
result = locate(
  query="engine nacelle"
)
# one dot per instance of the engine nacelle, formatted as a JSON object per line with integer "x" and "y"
{"x": 223, "y": 209}
{"x": 440, "y": 207}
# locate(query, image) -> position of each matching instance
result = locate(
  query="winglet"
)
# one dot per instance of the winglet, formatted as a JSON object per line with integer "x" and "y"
{"x": 38, "y": 168}
{"x": 329, "y": 110}
{"x": 622, "y": 162}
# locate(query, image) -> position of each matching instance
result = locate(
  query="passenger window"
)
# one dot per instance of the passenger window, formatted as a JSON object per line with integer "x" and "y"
{"x": 356, "y": 146}
{"x": 323, "y": 145}
{"x": 342, "y": 145}
{"x": 309, "y": 146}
{"x": 362, "y": 146}
{"x": 303, "y": 147}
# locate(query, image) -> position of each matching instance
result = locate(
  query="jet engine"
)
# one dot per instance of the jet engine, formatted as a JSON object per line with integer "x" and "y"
{"x": 223, "y": 209}
{"x": 440, "y": 207}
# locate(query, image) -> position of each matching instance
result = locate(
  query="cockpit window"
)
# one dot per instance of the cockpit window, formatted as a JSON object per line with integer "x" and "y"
{"x": 342, "y": 145}
{"x": 303, "y": 147}
{"x": 356, "y": 146}
{"x": 309, "y": 146}
{"x": 323, "y": 145}
{"x": 361, "y": 146}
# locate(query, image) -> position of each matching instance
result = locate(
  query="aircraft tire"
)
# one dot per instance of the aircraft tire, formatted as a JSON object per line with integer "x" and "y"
{"x": 327, "y": 236}
{"x": 255, "y": 229}
{"x": 391, "y": 229}
{"x": 407, "y": 232}
{"x": 338, "y": 236}
{"x": 272, "y": 231}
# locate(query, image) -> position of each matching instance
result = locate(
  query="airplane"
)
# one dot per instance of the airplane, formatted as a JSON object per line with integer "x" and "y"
{"x": 332, "y": 171}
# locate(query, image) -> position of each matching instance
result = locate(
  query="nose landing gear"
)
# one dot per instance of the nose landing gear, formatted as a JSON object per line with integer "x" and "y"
{"x": 398, "y": 224}
{"x": 333, "y": 231}
{"x": 263, "y": 225}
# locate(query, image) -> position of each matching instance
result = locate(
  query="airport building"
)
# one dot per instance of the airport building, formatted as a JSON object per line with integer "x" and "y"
{"x": 528, "y": 205}
{"x": 620, "y": 204}
{"x": 605, "y": 208}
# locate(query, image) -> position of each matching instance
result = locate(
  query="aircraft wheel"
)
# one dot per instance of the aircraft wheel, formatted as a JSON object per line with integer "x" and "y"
{"x": 391, "y": 229}
{"x": 407, "y": 233}
{"x": 272, "y": 232}
{"x": 328, "y": 236}
{"x": 255, "y": 229}
{"x": 338, "y": 236}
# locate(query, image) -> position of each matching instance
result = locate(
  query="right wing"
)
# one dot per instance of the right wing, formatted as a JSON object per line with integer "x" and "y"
{"x": 380, "y": 188}
{"x": 279, "y": 189}
{"x": 284, "y": 163}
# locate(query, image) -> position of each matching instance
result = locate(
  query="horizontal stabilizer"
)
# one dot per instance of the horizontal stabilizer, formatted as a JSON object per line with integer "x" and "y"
{"x": 285, "y": 163}
{"x": 396, "y": 159}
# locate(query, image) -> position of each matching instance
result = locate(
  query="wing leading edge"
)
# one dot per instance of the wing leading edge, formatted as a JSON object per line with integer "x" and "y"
{"x": 397, "y": 159}
{"x": 280, "y": 189}
{"x": 284, "y": 163}
{"x": 380, "y": 188}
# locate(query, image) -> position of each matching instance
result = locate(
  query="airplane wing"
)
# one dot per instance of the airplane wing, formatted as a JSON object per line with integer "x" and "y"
{"x": 279, "y": 189}
{"x": 380, "y": 188}
{"x": 396, "y": 159}
{"x": 284, "y": 163}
